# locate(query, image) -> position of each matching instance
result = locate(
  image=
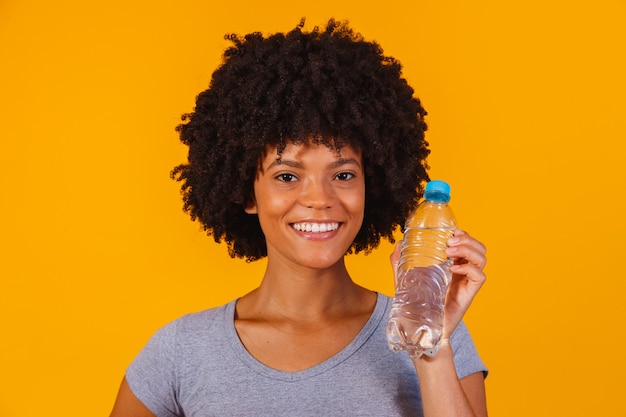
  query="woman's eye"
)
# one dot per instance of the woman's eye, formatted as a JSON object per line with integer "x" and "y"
{"x": 344, "y": 176}
{"x": 286, "y": 177}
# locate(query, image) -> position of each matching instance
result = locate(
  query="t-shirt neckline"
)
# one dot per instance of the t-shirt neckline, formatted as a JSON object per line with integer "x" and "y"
{"x": 251, "y": 362}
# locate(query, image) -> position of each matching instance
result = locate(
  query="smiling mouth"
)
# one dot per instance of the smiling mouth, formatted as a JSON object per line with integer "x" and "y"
{"x": 315, "y": 227}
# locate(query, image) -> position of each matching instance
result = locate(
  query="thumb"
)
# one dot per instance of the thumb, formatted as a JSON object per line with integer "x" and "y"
{"x": 395, "y": 258}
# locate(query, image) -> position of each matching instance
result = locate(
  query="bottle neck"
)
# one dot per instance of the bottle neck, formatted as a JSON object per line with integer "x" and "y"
{"x": 437, "y": 197}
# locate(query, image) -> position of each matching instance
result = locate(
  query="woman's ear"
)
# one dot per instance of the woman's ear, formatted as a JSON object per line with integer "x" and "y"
{"x": 250, "y": 207}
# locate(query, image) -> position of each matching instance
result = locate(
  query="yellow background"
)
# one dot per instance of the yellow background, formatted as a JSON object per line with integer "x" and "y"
{"x": 526, "y": 103}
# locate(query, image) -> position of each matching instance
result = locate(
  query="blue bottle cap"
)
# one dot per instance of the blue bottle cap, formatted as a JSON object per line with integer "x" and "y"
{"x": 437, "y": 190}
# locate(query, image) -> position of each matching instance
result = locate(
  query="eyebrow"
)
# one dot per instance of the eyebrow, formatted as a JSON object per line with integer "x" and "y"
{"x": 294, "y": 164}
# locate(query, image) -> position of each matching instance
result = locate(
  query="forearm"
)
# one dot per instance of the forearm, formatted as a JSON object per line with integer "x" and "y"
{"x": 442, "y": 392}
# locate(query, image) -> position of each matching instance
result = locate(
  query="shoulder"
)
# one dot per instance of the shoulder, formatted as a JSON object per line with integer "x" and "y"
{"x": 178, "y": 342}
{"x": 203, "y": 320}
{"x": 466, "y": 357}
{"x": 186, "y": 330}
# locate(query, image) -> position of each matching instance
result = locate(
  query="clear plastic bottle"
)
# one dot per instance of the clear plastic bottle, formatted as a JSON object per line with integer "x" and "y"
{"x": 416, "y": 317}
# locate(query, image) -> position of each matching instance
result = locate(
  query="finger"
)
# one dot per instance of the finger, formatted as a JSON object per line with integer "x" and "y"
{"x": 461, "y": 237}
{"x": 472, "y": 274}
{"x": 465, "y": 249}
{"x": 467, "y": 255}
{"x": 395, "y": 256}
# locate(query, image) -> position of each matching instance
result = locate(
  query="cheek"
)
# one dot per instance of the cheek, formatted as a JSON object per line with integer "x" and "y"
{"x": 272, "y": 204}
{"x": 356, "y": 203}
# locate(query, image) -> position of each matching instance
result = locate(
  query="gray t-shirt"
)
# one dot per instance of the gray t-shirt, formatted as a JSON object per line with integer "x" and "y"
{"x": 196, "y": 366}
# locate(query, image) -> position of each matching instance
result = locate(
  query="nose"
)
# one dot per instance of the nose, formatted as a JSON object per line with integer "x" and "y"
{"x": 317, "y": 194}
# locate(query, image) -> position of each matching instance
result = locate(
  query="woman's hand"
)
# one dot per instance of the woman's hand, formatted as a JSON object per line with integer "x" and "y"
{"x": 467, "y": 277}
{"x": 443, "y": 394}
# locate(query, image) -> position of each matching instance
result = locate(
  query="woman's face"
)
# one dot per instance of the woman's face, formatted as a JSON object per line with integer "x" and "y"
{"x": 310, "y": 204}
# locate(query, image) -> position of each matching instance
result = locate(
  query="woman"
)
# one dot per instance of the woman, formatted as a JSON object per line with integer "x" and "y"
{"x": 305, "y": 147}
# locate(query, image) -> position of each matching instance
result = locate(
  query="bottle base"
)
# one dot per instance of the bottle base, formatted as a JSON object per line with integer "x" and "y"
{"x": 422, "y": 342}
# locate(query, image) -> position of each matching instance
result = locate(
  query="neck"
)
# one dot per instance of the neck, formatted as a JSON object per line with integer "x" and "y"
{"x": 305, "y": 294}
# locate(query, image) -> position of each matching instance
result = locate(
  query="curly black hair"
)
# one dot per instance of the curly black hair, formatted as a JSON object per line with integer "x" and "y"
{"x": 330, "y": 86}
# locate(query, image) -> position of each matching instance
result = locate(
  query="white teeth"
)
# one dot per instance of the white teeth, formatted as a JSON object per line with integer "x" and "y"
{"x": 315, "y": 227}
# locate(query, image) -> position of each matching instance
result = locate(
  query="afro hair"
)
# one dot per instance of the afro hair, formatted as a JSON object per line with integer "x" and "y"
{"x": 328, "y": 85}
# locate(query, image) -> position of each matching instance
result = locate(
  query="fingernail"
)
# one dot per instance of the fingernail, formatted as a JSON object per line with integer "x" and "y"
{"x": 453, "y": 240}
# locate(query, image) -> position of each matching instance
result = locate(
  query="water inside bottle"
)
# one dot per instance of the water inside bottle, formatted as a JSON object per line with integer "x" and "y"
{"x": 416, "y": 318}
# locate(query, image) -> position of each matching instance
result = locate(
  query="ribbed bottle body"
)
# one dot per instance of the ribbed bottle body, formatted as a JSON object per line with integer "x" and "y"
{"x": 422, "y": 278}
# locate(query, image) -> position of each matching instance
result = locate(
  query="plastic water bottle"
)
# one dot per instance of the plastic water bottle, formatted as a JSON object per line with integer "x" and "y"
{"x": 416, "y": 317}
